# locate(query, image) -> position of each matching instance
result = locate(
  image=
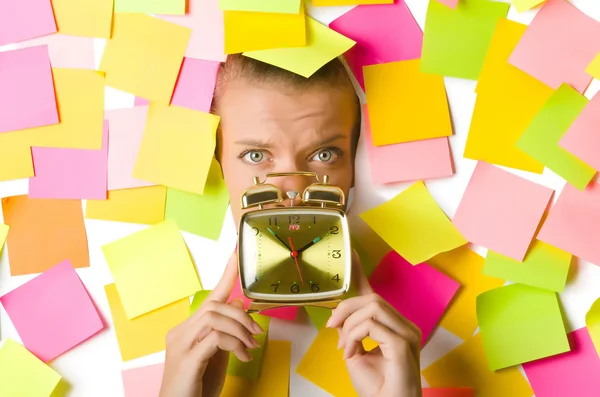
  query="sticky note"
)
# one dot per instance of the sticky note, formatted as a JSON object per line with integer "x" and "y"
{"x": 448, "y": 392}
{"x": 573, "y": 223}
{"x": 278, "y": 6}
{"x": 283, "y": 313}
{"x": 466, "y": 366}
{"x": 176, "y": 7}
{"x": 200, "y": 214}
{"x": 544, "y": 267}
{"x": 196, "y": 84}
{"x": 143, "y": 381}
{"x": 524, "y": 5}
{"x": 255, "y": 31}
{"x": 322, "y": 45}
{"x": 91, "y": 18}
{"x": 323, "y": 3}
{"x": 520, "y": 323}
{"x": 456, "y": 40}
{"x": 405, "y": 105}
{"x": 151, "y": 268}
{"x": 251, "y": 369}
{"x": 573, "y": 373}
{"x": 420, "y": 293}
{"x": 449, "y": 3}
{"x": 592, "y": 321}
{"x": 23, "y": 373}
{"x": 145, "y": 205}
{"x": 464, "y": 266}
{"x": 582, "y": 136}
{"x": 3, "y": 233}
{"x": 15, "y": 159}
{"x": 26, "y": 90}
{"x": 147, "y": 333}
{"x": 594, "y": 67}
{"x": 144, "y": 56}
{"x": 18, "y": 22}
{"x": 414, "y": 225}
{"x": 198, "y": 299}
{"x": 500, "y": 210}
{"x": 54, "y": 227}
{"x": 177, "y": 148}
{"x": 369, "y": 25}
{"x": 71, "y": 52}
{"x": 318, "y": 315}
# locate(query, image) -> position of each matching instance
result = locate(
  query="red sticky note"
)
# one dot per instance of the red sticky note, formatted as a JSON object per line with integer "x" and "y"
{"x": 143, "y": 381}
{"x": 447, "y": 392}
{"x": 284, "y": 313}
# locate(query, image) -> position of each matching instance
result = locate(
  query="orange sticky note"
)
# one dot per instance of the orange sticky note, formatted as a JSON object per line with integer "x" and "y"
{"x": 145, "y": 205}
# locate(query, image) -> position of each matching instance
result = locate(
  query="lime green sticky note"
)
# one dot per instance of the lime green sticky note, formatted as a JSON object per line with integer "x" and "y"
{"x": 540, "y": 139}
{"x": 200, "y": 214}
{"x": 3, "y": 234}
{"x": 544, "y": 266}
{"x": 174, "y": 7}
{"x": 322, "y": 45}
{"x": 455, "y": 41}
{"x": 519, "y": 324}
{"x": 592, "y": 321}
{"x": 278, "y": 6}
{"x": 251, "y": 369}
{"x": 318, "y": 315}
{"x": 199, "y": 298}
{"x": 23, "y": 374}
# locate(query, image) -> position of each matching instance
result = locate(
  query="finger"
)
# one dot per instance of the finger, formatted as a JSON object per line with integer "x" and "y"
{"x": 234, "y": 310}
{"x": 347, "y": 307}
{"x": 216, "y": 340}
{"x": 214, "y": 321}
{"x": 359, "y": 279}
{"x": 223, "y": 289}
{"x": 392, "y": 346}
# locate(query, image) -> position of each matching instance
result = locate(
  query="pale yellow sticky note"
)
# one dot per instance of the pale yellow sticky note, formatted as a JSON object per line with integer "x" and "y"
{"x": 325, "y": 3}
{"x": 145, "y": 334}
{"x": 524, "y": 5}
{"x": 15, "y": 159}
{"x": 177, "y": 148}
{"x": 252, "y": 31}
{"x": 414, "y": 225}
{"x": 145, "y": 205}
{"x": 23, "y": 374}
{"x": 594, "y": 68}
{"x": 91, "y": 18}
{"x": 3, "y": 233}
{"x": 405, "y": 104}
{"x": 464, "y": 266}
{"x": 466, "y": 366}
{"x": 592, "y": 321}
{"x": 144, "y": 56}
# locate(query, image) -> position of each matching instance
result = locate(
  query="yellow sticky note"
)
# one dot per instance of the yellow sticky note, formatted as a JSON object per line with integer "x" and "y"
{"x": 466, "y": 366}
{"x": 144, "y": 56}
{"x": 524, "y": 5}
{"x": 177, "y": 148}
{"x": 145, "y": 205}
{"x": 15, "y": 158}
{"x": 592, "y": 321}
{"x": 252, "y": 31}
{"x": 405, "y": 104}
{"x": 464, "y": 266}
{"x": 91, "y": 18}
{"x": 3, "y": 233}
{"x": 322, "y": 45}
{"x": 23, "y": 374}
{"x": 324, "y": 3}
{"x": 151, "y": 268}
{"x": 145, "y": 334}
{"x": 593, "y": 68}
{"x": 414, "y": 225}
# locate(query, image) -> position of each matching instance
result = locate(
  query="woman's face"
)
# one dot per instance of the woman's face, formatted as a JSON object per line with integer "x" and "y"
{"x": 275, "y": 128}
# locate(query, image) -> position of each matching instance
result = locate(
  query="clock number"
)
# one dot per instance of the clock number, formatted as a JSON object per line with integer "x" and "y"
{"x": 334, "y": 230}
{"x": 255, "y": 231}
{"x": 295, "y": 288}
{"x": 336, "y": 278}
{"x": 315, "y": 288}
{"x": 294, "y": 219}
{"x": 337, "y": 254}
{"x": 276, "y": 286}
{"x": 272, "y": 220}
{"x": 314, "y": 219}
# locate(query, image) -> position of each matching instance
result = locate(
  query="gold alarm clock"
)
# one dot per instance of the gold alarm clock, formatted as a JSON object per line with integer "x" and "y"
{"x": 296, "y": 255}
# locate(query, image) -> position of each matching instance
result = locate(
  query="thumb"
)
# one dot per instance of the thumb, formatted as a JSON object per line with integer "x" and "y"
{"x": 359, "y": 279}
{"x": 222, "y": 291}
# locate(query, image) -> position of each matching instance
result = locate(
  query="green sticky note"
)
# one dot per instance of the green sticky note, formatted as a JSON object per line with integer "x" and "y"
{"x": 173, "y": 7}
{"x": 199, "y": 298}
{"x": 519, "y": 324}
{"x": 278, "y": 6}
{"x": 3, "y": 234}
{"x": 200, "y": 214}
{"x": 544, "y": 266}
{"x": 251, "y": 369}
{"x": 540, "y": 139}
{"x": 455, "y": 41}
{"x": 592, "y": 321}
{"x": 318, "y": 315}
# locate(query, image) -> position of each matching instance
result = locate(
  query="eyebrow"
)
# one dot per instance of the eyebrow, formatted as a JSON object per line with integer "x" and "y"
{"x": 266, "y": 144}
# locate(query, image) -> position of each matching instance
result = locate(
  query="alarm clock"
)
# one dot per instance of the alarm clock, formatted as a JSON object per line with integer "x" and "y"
{"x": 296, "y": 255}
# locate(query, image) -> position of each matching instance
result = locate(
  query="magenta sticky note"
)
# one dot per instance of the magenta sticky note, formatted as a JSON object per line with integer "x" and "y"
{"x": 143, "y": 381}
{"x": 70, "y": 173}
{"x": 582, "y": 138}
{"x": 501, "y": 211}
{"x": 574, "y": 373}
{"x": 196, "y": 84}
{"x": 71, "y": 52}
{"x": 53, "y": 312}
{"x": 25, "y": 19}
{"x": 383, "y": 33}
{"x": 283, "y": 313}
{"x": 27, "y": 97}
{"x": 558, "y": 45}
{"x": 573, "y": 223}
{"x": 420, "y": 293}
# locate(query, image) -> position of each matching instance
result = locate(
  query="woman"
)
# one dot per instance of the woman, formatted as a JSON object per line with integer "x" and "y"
{"x": 273, "y": 120}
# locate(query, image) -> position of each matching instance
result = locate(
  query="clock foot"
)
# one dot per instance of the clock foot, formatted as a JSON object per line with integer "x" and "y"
{"x": 256, "y": 307}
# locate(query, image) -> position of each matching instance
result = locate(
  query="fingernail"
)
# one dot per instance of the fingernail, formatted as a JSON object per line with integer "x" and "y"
{"x": 329, "y": 322}
{"x": 255, "y": 343}
{"x": 339, "y": 343}
{"x": 248, "y": 357}
{"x": 257, "y": 328}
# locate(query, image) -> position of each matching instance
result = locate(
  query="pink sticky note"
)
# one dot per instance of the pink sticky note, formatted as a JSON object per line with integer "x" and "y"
{"x": 573, "y": 223}
{"x": 53, "y": 312}
{"x": 383, "y": 33}
{"x": 558, "y": 45}
{"x": 139, "y": 101}
{"x": 66, "y": 51}
{"x": 143, "y": 381}
{"x": 284, "y": 313}
{"x": 125, "y": 132}
{"x": 409, "y": 161}
{"x": 25, "y": 19}
{"x": 582, "y": 138}
{"x": 449, "y": 3}
{"x": 420, "y": 293}
{"x": 501, "y": 211}
{"x": 574, "y": 373}
{"x": 26, "y": 89}
{"x": 196, "y": 84}
{"x": 70, "y": 173}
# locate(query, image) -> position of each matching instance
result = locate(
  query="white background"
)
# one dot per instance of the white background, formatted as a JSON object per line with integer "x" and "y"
{"x": 94, "y": 368}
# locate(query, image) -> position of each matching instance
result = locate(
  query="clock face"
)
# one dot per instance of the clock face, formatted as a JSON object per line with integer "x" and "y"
{"x": 294, "y": 254}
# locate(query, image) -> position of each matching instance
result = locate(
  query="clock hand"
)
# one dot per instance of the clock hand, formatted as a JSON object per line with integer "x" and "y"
{"x": 307, "y": 246}
{"x": 277, "y": 237}
{"x": 294, "y": 254}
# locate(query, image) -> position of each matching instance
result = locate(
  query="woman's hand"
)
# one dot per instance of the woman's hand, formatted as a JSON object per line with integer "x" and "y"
{"x": 393, "y": 368}
{"x": 198, "y": 349}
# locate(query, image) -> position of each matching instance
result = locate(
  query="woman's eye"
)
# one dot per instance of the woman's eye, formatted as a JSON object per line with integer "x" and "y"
{"x": 325, "y": 156}
{"x": 254, "y": 157}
